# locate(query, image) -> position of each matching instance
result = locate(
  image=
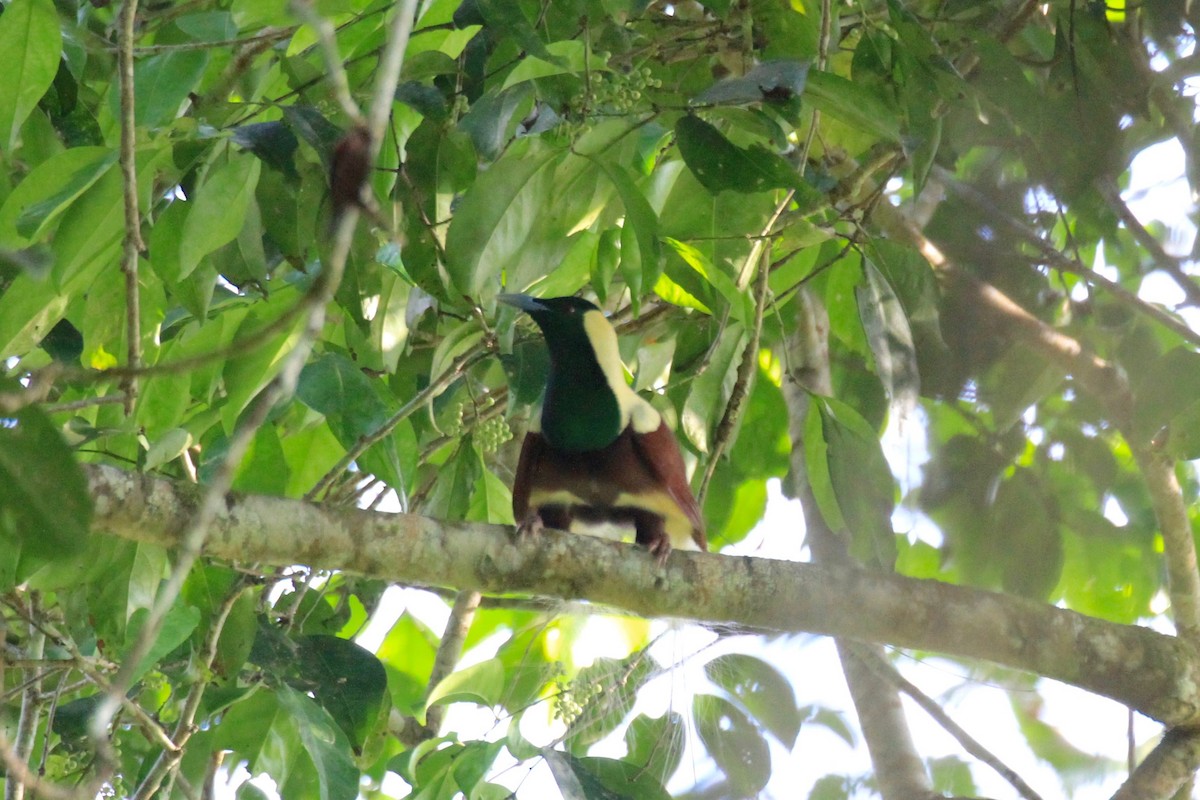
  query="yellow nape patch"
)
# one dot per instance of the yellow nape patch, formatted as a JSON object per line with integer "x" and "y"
{"x": 634, "y": 410}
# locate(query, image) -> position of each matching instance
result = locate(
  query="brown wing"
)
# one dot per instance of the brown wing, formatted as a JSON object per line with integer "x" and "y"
{"x": 531, "y": 452}
{"x": 659, "y": 451}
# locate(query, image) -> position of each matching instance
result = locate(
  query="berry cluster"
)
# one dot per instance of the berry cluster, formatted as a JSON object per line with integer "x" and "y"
{"x": 616, "y": 91}
{"x": 492, "y": 433}
{"x": 574, "y": 698}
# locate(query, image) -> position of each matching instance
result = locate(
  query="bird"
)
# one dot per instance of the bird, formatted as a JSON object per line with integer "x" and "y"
{"x": 602, "y": 461}
{"x": 349, "y": 169}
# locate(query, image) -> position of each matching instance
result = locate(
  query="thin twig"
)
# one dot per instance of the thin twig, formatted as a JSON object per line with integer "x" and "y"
{"x": 316, "y": 300}
{"x": 133, "y": 220}
{"x": 169, "y": 759}
{"x": 1168, "y": 264}
{"x": 885, "y": 671}
{"x": 449, "y": 652}
{"x": 327, "y": 38}
{"x": 31, "y": 704}
{"x": 86, "y": 402}
{"x": 741, "y": 387}
{"x": 435, "y": 387}
{"x": 1052, "y": 257}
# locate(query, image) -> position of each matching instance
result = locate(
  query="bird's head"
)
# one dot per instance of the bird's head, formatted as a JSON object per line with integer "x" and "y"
{"x": 571, "y": 325}
{"x": 587, "y": 400}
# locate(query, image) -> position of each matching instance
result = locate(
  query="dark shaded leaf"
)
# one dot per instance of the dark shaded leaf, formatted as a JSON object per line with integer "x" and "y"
{"x": 720, "y": 164}
{"x": 734, "y": 742}
{"x": 347, "y": 680}
{"x": 273, "y": 142}
{"x": 771, "y": 81}
{"x": 44, "y": 499}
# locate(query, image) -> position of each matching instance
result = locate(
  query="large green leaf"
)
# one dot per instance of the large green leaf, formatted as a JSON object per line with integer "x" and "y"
{"x": 44, "y": 499}
{"x": 347, "y": 680}
{"x": 734, "y": 742}
{"x": 481, "y": 683}
{"x": 323, "y": 743}
{"x": 762, "y": 691}
{"x": 337, "y": 388}
{"x": 161, "y": 84}
{"x": 49, "y": 190}
{"x": 218, "y": 210}
{"x": 493, "y": 221}
{"x": 593, "y": 778}
{"x": 851, "y": 479}
{"x": 720, "y": 164}
{"x": 30, "y": 41}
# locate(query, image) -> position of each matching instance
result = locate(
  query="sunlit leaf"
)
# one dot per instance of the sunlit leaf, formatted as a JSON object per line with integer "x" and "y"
{"x": 30, "y": 41}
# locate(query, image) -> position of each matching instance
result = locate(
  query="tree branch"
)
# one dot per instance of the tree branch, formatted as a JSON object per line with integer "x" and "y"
{"x": 1155, "y": 674}
{"x": 899, "y": 771}
{"x": 1104, "y": 383}
{"x": 885, "y": 671}
{"x": 133, "y": 220}
{"x": 1169, "y": 766}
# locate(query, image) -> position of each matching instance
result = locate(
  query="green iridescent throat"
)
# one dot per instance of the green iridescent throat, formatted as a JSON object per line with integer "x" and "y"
{"x": 580, "y": 411}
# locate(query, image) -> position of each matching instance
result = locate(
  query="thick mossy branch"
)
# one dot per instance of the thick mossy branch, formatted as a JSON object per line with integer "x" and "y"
{"x": 1154, "y": 674}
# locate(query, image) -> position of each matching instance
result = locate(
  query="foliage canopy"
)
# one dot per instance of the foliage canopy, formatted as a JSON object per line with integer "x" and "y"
{"x": 809, "y": 220}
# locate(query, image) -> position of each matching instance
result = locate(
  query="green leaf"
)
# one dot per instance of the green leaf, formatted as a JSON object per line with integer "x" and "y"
{"x": 1031, "y": 555}
{"x": 734, "y": 742}
{"x": 167, "y": 447}
{"x": 245, "y": 375}
{"x": 720, "y": 164}
{"x": 482, "y": 684}
{"x": 655, "y": 744}
{"x": 273, "y": 142}
{"x": 218, "y": 210}
{"x": 492, "y": 222}
{"x": 762, "y": 690}
{"x": 324, "y": 743}
{"x": 31, "y": 44}
{"x": 853, "y": 104}
{"x": 48, "y": 190}
{"x": 176, "y": 628}
{"x": 641, "y": 219}
{"x": 334, "y": 386}
{"x": 569, "y": 58}
{"x": 602, "y": 778}
{"x": 44, "y": 498}
{"x": 890, "y": 338}
{"x": 347, "y": 680}
{"x": 264, "y": 470}
{"x": 161, "y": 84}
{"x": 91, "y": 230}
{"x": 851, "y": 479}
{"x": 705, "y": 404}
{"x": 741, "y": 303}
{"x": 35, "y": 218}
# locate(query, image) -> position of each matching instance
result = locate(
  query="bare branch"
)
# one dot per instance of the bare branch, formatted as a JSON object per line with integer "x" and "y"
{"x": 133, "y": 218}
{"x": 1156, "y": 674}
{"x": 885, "y": 671}
{"x": 449, "y": 651}
{"x": 1168, "y": 768}
{"x": 898, "y": 768}
{"x": 31, "y": 704}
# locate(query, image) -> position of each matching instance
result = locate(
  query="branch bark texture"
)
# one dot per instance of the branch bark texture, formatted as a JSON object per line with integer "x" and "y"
{"x": 1154, "y": 674}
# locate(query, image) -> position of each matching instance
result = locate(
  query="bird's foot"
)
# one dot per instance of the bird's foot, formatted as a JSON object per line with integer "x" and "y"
{"x": 660, "y": 548}
{"x": 531, "y": 527}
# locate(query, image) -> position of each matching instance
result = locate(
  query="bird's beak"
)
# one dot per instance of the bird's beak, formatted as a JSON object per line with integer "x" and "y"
{"x": 522, "y": 301}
